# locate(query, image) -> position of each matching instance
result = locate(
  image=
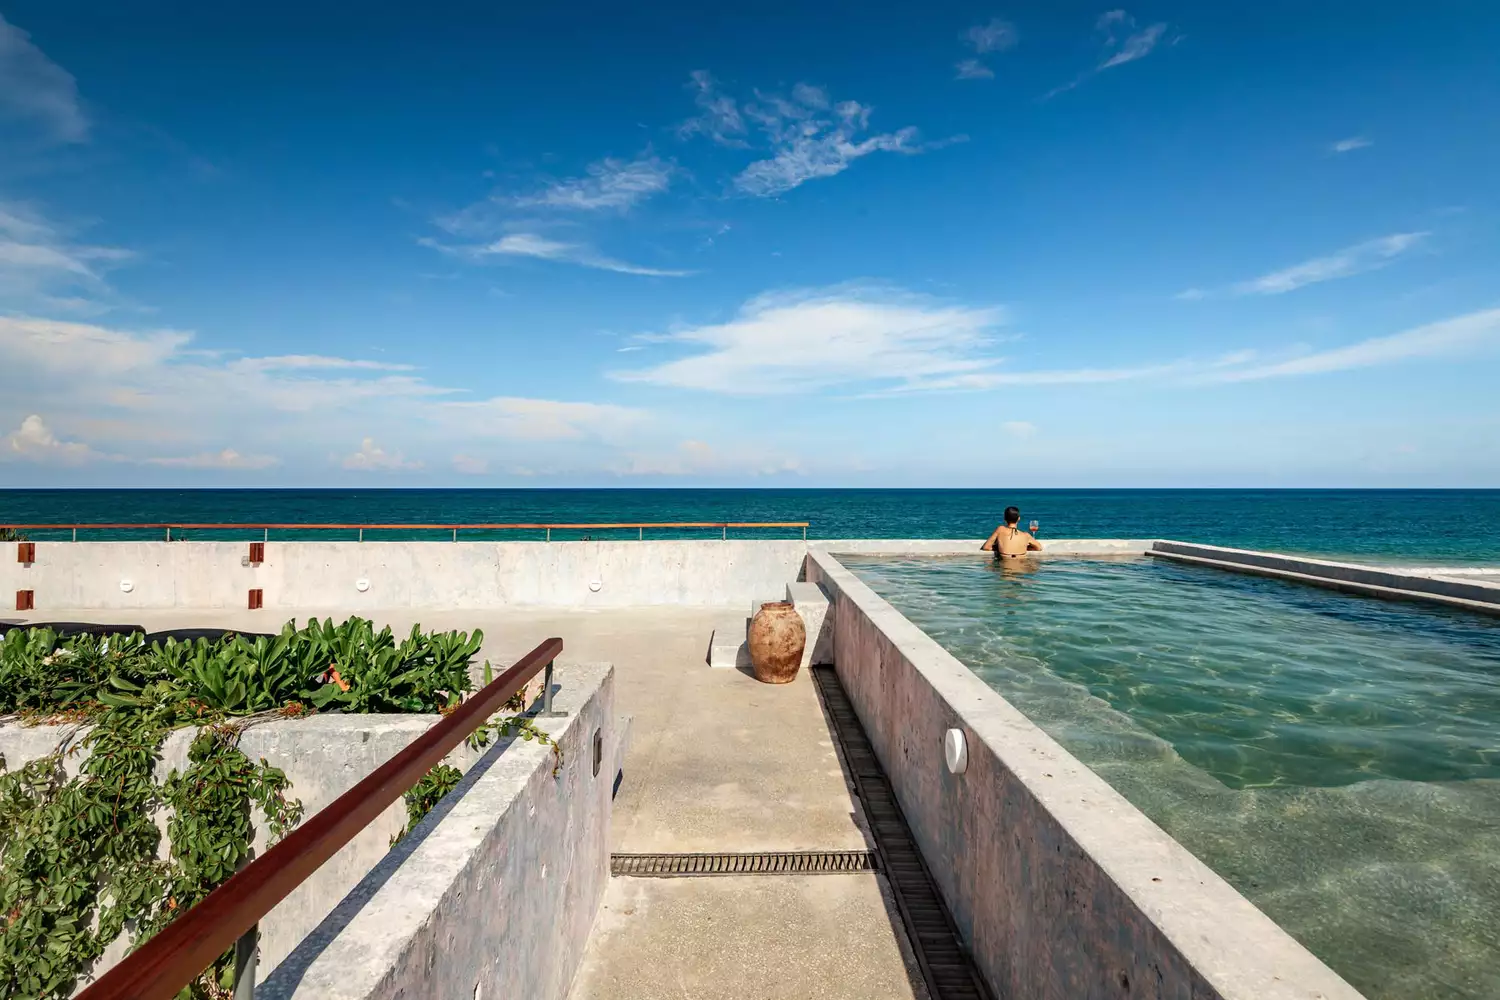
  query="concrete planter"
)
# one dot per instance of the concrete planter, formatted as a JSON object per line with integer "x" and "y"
{"x": 777, "y": 638}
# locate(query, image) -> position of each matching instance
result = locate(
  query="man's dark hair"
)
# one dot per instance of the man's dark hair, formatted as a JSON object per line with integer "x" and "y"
{"x": 1012, "y": 515}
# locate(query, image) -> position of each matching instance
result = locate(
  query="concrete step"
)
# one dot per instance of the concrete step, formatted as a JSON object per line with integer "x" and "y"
{"x": 727, "y": 648}
{"x": 816, "y": 612}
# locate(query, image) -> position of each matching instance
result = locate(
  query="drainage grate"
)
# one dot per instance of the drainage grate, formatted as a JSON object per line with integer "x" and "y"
{"x": 762, "y": 863}
{"x": 945, "y": 963}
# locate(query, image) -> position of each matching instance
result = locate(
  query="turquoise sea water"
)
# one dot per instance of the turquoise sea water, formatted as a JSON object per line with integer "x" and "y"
{"x": 1336, "y": 759}
{"x": 1414, "y": 526}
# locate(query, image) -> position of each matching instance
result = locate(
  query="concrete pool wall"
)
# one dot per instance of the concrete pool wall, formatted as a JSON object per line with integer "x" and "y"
{"x": 1059, "y": 886}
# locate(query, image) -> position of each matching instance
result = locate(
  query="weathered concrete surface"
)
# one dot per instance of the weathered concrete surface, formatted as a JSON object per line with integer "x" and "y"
{"x": 1473, "y": 592}
{"x": 492, "y": 895}
{"x": 755, "y": 938}
{"x": 403, "y": 574}
{"x": 1061, "y": 887}
{"x": 423, "y": 575}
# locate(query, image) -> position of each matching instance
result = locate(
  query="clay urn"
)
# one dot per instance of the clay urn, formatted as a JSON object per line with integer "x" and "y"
{"x": 777, "y": 637}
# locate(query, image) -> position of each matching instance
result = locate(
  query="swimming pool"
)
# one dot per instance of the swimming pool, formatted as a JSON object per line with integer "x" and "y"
{"x": 1336, "y": 759}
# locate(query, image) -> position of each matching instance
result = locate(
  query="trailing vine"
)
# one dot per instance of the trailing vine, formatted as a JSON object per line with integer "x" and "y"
{"x": 82, "y": 859}
{"x": 443, "y": 778}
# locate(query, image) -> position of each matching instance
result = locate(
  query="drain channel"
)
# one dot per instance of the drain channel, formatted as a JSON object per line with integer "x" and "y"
{"x": 945, "y": 963}
{"x": 761, "y": 863}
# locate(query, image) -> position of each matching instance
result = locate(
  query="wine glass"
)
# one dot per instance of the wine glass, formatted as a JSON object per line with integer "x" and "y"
{"x": 1033, "y": 527}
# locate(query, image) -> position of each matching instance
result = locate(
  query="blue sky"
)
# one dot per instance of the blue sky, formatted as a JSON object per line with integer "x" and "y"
{"x": 940, "y": 245}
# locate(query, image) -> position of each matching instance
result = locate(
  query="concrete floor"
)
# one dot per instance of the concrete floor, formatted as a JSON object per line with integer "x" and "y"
{"x": 717, "y": 762}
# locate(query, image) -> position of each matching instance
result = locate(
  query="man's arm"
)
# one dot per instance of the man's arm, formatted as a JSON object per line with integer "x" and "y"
{"x": 989, "y": 543}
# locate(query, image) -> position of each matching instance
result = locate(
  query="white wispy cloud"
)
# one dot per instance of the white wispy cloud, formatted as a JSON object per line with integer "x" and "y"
{"x": 718, "y": 115}
{"x": 972, "y": 69}
{"x": 1454, "y": 337}
{"x": 542, "y": 247}
{"x": 1350, "y": 144}
{"x": 1124, "y": 41}
{"x": 152, "y": 397}
{"x": 371, "y": 457}
{"x": 1133, "y": 43}
{"x": 1370, "y": 255}
{"x": 810, "y": 339}
{"x": 293, "y": 362}
{"x": 228, "y": 458}
{"x": 42, "y": 265}
{"x": 995, "y": 36}
{"x": 609, "y": 184}
{"x": 808, "y": 134}
{"x": 34, "y": 88}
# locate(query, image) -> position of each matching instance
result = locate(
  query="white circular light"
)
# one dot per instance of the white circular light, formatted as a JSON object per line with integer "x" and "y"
{"x": 956, "y": 751}
{"x": 126, "y": 586}
{"x": 594, "y": 585}
{"x": 361, "y": 585}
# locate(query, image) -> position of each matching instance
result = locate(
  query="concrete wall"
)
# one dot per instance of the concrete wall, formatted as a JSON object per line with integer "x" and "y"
{"x": 1371, "y": 581}
{"x": 493, "y": 895}
{"x": 326, "y": 575}
{"x": 1060, "y": 886}
{"x": 323, "y": 756}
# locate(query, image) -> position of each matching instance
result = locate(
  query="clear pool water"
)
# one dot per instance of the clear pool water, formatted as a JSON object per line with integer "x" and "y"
{"x": 1337, "y": 759}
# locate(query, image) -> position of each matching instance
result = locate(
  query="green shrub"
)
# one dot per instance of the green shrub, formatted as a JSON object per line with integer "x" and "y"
{"x": 79, "y": 857}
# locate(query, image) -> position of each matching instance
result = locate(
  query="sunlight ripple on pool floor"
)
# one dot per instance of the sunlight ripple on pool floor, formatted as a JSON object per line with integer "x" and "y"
{"x": 1336, "y": 759}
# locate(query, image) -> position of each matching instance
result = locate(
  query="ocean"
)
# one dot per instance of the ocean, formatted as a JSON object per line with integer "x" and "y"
{"x": 1450, "y": 527}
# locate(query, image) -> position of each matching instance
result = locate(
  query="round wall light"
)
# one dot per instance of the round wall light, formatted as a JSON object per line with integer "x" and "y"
{"x": 594, "y": 585}
{"x": 361, "y": 585}
{"x": 126, "y": 586}
{"x": 956, "y": 751}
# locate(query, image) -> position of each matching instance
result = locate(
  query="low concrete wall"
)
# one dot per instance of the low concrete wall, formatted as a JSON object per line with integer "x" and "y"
{"x": 495, "y": 893}
{"x": 1060, "y": 886}
{"x": 328, "y": 575}
{"x": 363, "y": 576}
{"x": 1372, "y": 581}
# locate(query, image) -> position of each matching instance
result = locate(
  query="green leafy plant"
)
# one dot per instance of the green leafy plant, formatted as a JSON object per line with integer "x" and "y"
{"x": 367, "y": 671}
{"x": 425, "y": 794}
{"x": 81, "y": 858}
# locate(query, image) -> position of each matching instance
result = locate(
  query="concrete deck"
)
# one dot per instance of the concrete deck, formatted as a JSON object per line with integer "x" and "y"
{"x": 717, "y": 762}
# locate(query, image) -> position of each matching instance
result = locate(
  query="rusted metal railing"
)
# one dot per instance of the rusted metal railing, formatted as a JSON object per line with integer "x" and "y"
{"x": 229, "y": 915}
{"x": 266, "y": 529}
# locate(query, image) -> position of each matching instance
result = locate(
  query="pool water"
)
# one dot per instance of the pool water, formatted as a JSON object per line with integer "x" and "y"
{"x": 1335, "y": 758}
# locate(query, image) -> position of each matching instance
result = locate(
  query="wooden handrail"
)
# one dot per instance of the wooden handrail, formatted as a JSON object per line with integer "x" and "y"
{"x": 188, "y": 945}
{"x": 416, "y": 527}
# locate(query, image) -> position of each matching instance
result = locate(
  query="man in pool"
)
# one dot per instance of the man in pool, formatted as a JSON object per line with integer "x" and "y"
{"x": 1008, "y": 541}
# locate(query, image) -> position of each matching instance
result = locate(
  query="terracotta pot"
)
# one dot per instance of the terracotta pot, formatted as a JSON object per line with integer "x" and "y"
{"x": 777, "y": 637}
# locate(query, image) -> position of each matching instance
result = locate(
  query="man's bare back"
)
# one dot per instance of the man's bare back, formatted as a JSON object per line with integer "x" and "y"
{"x": 1008, "y": 541}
